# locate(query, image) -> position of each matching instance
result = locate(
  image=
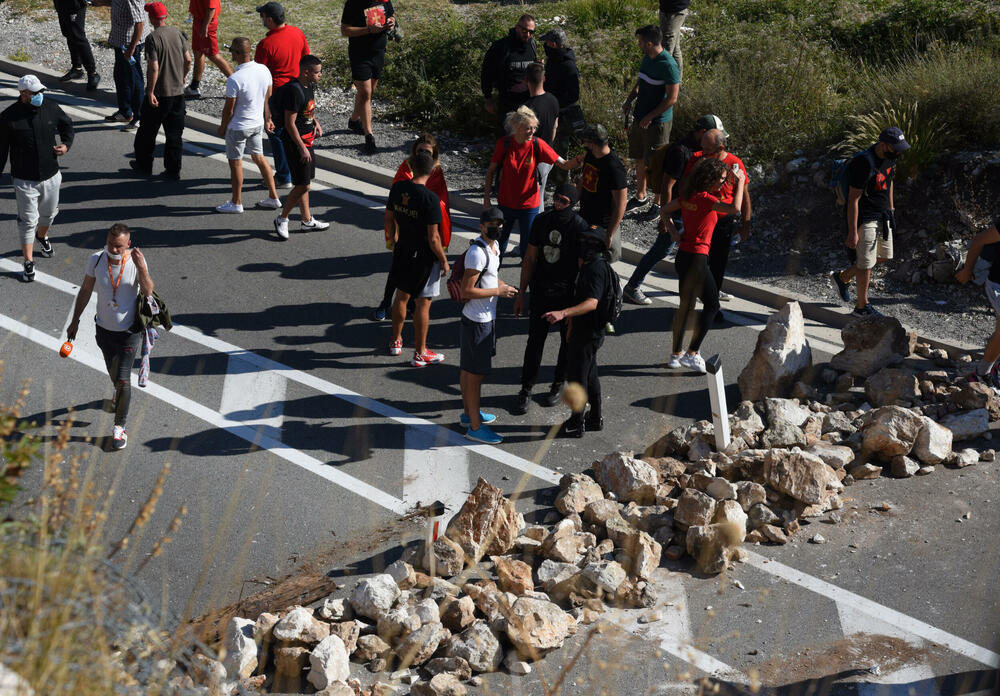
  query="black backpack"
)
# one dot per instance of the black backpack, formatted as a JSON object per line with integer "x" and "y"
{"x": 610, "y": 306}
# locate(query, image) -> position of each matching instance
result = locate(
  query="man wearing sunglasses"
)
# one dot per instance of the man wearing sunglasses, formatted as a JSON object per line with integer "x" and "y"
{"x": 505, "y": 69}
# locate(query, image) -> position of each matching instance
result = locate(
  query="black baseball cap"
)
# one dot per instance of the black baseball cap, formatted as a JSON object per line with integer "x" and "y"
{"x": 595, "y": 133}
{"x": 491, "y": 214}
{"x": 893, "y": 137}
{"x": 272, "y": 9}
{"x": 569, "y": 191}
{"x": 556, "y": 35}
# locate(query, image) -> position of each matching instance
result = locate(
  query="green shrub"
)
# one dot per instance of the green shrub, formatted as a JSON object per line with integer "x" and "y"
{"x": 925, "y": 133}
{"x": 592, "y": 15}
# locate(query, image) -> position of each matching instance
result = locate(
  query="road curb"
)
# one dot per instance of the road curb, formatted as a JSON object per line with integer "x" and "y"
{"x": 769, "y": 296}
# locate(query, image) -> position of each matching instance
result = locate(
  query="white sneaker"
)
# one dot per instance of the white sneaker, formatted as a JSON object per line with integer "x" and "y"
{"x": 675, "y": 362}
{"x": 229, "y": 207}
{"x": 285, "y": 185}
{"x": 269, "y": 204}
{"x": 314, "y": 224}
{"x": 119, "y": 438}
{"x": 281, "y": 227}
{"x": 693, "y": 362}
{"x": 725, "y": 296}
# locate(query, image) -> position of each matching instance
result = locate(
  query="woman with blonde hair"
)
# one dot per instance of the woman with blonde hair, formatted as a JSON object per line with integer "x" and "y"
{"x": 517, "y": 156}
{"x": 436, "y": 183}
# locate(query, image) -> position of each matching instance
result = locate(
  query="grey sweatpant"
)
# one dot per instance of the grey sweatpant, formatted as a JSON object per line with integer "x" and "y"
{"x": 37, "y": 205}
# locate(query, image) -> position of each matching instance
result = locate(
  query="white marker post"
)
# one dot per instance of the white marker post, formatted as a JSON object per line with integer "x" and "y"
{"x": 717, "y": 394}
{"x": 435, "y": 514}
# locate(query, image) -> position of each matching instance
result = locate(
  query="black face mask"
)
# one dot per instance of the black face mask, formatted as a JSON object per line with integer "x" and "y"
{"x": 890, "y": 155}
{"x": 493, "y": 232}
{"x": 563, "y": 215}
{"x": 552, "y": 52}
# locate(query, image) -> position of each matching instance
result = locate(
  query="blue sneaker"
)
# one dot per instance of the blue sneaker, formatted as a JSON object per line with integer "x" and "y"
{"x": 484, "y": 417}
{"x": 484, "y": 435}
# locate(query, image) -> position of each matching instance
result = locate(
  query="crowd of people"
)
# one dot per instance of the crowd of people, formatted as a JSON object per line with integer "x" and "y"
{"x": 695, "y": 189}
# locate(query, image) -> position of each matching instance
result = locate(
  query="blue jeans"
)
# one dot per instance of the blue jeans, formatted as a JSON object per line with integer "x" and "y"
{"x": 282, "y": 174}
{"x": 521, "y": 218}
{"x": 657, "y": 252}
{"x": 129, "y": 84}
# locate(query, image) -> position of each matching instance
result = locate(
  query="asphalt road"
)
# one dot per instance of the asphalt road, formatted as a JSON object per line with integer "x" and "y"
{"x": 293, "y": 436}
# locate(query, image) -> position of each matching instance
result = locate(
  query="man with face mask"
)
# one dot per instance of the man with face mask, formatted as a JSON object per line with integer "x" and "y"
{"x": 28, "y": 130}
{"x": 549, "y": 269}
{"x": 119, "y": 274}
{"x": 505, "y": 68}
{"x": 585, "y": 328}
{"x": 871, "y": 216}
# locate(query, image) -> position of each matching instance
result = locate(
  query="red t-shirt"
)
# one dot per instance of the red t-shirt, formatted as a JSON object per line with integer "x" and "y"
{"x": 436, "y": 185}
{"x": 518, "y": 181}
{"x": 728, "y": 188}
{"x": 281, "y": 50}
{"x": 699, "y": 222}
{"x": 199, "y": 8}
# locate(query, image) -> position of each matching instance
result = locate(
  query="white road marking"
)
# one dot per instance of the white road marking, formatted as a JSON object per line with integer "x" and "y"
{"x": 253, "y": 397}
{"x": 433, "y": 471}
{"x": 856, "y": 603}
{"x": 245, "y": 432}
{"x": 853, "y": 622}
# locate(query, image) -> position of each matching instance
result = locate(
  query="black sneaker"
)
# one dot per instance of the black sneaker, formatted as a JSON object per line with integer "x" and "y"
{"x": 521, "y": 404}
{"x": 554, "y": 395}
{"x": 843, "y": 288}
{"x": 28, "y": 274}
{"x": 354, "y": 126}
{"x": 118, "y": 117}
{"x": 573, "y": 427}
{"x": 93, "y": 79}
{"x": 593, "y": 425}
{"x": 866, "y": 311}
{"x": 634, "y": 203}
{"x": 370, "y": 147}
{"x": 45, "y": 247}
{"x": 72, "y": 74}
{"x": 138, "y": 169}
{"x": 651, "y": 214}
{"x": 131, "y": 125}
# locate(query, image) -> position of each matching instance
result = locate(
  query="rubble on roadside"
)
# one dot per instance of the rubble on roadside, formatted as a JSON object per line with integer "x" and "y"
{"x": 508, "y": 592}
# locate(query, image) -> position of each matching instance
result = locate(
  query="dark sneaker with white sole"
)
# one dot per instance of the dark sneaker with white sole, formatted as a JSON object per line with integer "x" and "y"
{"x": 45, "y": 247}
{"x": 28, "y": 274}
{"x": 866, "y": 311}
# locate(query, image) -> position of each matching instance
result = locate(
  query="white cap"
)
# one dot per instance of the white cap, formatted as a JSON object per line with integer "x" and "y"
{"x": 30, "y": 83}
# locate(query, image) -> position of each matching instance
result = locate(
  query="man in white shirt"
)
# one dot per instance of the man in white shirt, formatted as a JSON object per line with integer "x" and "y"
{"x": 481, "y": 285}
{"x": 245, "y": 117}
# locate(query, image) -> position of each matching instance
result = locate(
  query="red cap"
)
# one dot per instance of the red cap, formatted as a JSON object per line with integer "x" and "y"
{"x": 156, "y": 9}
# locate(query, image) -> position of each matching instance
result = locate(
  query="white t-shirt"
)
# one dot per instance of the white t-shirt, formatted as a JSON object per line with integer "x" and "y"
{"x": 109, "y": 316}
{"x": 483, "y": 309}
{"x": 248, "y": 85}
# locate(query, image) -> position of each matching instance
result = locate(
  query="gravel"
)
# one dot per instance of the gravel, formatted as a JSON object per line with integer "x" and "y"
{"x": 796, "y": 240}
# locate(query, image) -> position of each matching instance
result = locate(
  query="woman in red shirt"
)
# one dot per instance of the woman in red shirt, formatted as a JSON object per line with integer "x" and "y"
{"x": 517, "y": 156}
{"x": 700, "y": 207}
{"x": 436, "y": 183}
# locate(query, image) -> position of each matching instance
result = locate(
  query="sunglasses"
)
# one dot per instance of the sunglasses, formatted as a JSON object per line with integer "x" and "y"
{"x": 525, "y": 30}
{"x": 425, "y": 150}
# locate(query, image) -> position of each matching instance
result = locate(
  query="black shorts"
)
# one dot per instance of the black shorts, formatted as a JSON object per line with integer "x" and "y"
{"x": 479, "y": 345}
{"x": 410, "y": 271}
{"x": 302, "y": 172}
{"x": 367, "y": 66}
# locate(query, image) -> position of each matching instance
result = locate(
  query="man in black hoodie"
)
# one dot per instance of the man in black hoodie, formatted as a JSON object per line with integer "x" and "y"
{"x": 562, "y": 80}
{"x": 505, "y": 68}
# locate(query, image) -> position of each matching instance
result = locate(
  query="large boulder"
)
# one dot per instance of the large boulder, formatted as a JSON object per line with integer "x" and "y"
{"x": 785, "y": 411}
{"x": 300, "y": 626}
{"x": 628, "y": 478}
{"x": 328, "y": 663}
{"x": 488, "y": 523}
{"x": 933, "y": 443}
{"x": 373, "y": 597}
{"x": 801, "y": 475}
{"x": 444, "y": 684}
{"x": 419, "y": 646}
{"x": 694, "y": 508}
{"x": 974, "y": 395}
{"x": 891, "y": 386}
{"x": 780, "y": 358}
{"x": 871, "y": 343}
{"x": 890, "y": 431}
{"x": 513, "y": 575}
{"x": 449, "y": 557}
{"x": 535, "y": 626}
{"x": 967, "y": 424}
{"x": 478, "y": 646}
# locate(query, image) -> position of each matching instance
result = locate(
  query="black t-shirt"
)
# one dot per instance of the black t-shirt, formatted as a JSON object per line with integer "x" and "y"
{"x": 414, "y": 207}
{"x": 673, "y": 6}
{"x": 599, "y": 178}
{"x": 556, "y": 236}
{"x": 300, "y": 98}
{"x": 874, "y": 186}
{"x": 593, "y": 282}
{"x": 365, "y": 13}
{"x": 546, "y": 108}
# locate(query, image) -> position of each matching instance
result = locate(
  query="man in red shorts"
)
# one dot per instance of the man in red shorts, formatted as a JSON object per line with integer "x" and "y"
{"x": 204, "y": 42}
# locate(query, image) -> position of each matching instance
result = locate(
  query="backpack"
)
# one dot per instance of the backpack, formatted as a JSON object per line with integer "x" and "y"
{"x": 654, "y": 169}
{"x": 610, "y": 306}
{"x": 458, "y": 272}
{"x": 838, "y": 179}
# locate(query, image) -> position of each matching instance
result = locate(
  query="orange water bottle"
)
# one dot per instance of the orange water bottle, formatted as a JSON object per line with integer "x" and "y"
{"x": 66, "y": 349}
